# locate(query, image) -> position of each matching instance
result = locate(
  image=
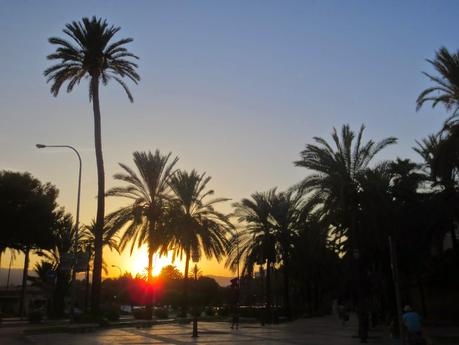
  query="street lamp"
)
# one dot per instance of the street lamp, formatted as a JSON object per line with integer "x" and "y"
{"x": 195, "y": 256}
{"x": 75, "y": 244}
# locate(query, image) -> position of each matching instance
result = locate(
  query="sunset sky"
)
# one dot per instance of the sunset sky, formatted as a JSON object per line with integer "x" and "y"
{"x": 234, "y": 88}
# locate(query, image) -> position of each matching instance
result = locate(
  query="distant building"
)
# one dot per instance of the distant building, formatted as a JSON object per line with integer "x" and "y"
{"x": 10, "y": 300}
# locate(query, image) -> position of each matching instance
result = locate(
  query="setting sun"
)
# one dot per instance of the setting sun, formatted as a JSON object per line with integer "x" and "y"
{"x": 138, "y": 262}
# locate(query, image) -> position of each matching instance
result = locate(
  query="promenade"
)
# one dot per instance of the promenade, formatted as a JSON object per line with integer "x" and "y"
{"x": 314, "y": 331}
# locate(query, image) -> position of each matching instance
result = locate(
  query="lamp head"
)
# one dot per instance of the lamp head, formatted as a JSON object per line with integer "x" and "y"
{"x": 40, "y": 146}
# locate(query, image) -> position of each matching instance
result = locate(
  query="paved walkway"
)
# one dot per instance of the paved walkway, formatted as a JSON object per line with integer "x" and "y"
{"x": 315, "y": 331}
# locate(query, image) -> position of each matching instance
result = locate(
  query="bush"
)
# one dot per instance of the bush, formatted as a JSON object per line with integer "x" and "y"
{"x": 35, "y": 316}
{"x": 210, "y": 311}
{"x": 141, "y": 314}
{"x": 161, "y": 313}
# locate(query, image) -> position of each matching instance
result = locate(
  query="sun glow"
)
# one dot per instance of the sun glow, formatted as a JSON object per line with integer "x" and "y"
{"x": 138, "y": 262}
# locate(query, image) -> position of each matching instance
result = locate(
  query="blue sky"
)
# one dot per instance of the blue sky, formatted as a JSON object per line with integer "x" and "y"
{"x": 235, "y": 88}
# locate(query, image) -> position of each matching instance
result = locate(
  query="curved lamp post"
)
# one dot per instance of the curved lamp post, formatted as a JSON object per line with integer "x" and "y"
{"x": 195, "y": 257}
{"x": 75, "y": 244}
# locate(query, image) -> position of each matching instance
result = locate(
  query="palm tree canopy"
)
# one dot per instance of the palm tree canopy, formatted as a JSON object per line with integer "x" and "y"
{"x": 336, "y": 171}
{"x": 88, "y": 237}
{"x": 349, "y": 157}
{"x": 254, "y": 242}
{"x": 149, "y": 191}
{"x": 446, "y": 89}
{"x": 440, "y": 154}
{"x": 89, "y": 51}
{"x": 194, "y": 223}
{"x": 288, "y": 213}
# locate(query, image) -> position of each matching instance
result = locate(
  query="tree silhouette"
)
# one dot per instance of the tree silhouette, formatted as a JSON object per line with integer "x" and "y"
{"x": 196, "y": 227}
{"x": 148, "y": 190}
{"x": 91, "y": 54}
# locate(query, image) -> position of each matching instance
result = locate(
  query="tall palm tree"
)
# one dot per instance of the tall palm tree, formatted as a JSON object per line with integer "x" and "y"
{"x": 334, "y": 184}
{"x": 446, "y": 84}
{"x": 89, "y": 53}
{"x": 195, "y": 225}
{"x": 255, "y": 242}
{"x": 149, "y": 192}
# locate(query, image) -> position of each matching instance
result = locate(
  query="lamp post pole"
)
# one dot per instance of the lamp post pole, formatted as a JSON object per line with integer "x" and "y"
{"x": 77, "y": 221}
{"x": 195, "y": 258}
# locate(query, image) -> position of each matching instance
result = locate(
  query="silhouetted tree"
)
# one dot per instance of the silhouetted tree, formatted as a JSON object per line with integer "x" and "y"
{"x": 334, "y": 184}
{"x": 143, "y": 220}
{"x": 254, "y": 243}
{"x": 195, "y": 226}
{"x": 29, "y": 216}
{"x": 91, "y": 53}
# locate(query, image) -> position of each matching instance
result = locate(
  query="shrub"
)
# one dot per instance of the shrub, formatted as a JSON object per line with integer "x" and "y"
{"x": 210, "y": 311}
{"x": 161, "y": 313}
{"x": 141, "y": 314}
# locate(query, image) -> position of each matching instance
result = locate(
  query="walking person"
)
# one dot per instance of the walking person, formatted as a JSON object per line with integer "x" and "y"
{"x": 413, "y": 325}
{"x": 235, "y": 303}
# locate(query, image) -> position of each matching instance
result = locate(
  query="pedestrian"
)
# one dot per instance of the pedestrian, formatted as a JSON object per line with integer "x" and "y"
{"x": 235, "y": 321}
{"x": 235, "y": 303}
{"x": 413, "y": 326}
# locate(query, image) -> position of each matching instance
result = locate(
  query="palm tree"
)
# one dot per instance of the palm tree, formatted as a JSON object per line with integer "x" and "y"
{"x": 441, "y": 160}
{"x": 446, "y": 89}
{"x": 287, "y": 217}
{"x": 90, "y": 53}
{"x": 334, "y": 185}
{"x": 196, "y": 226}
{"x": 334, "y": 181}
{"x": 64, "y": 243}
{"x": 109, "y": 240}
{"x": 255, "y": 242}
{"x": 149, "y": 192}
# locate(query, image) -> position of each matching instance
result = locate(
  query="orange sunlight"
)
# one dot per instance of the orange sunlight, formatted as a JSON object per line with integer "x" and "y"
{"x": 138, "y": 262}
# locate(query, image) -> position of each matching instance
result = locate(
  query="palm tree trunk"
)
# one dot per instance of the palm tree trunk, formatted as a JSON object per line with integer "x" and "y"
{"x": 97, "y": 271}
{"x": 186, "y": 284}
{"x": 150, "y": 266}
{"x": 24, "y": 282}
{"x": 149, "y": 304}
{"x": 422, "y": 295}
{"x": 287, "y": 290}
{"x": 268, "y": 291}
{"x": 455, "y": 242}
{"x": 9, "y": 271}
{"x": 86, "y": 294}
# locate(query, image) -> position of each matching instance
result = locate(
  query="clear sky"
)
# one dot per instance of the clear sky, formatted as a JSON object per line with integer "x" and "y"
{"x": 234, "y": 88}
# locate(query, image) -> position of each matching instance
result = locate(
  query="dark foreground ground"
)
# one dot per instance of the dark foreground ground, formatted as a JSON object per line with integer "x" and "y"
{"x": 314, "y": 331}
